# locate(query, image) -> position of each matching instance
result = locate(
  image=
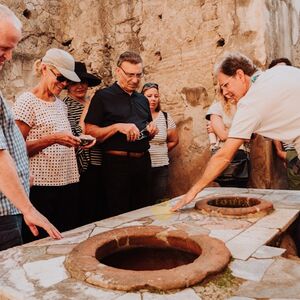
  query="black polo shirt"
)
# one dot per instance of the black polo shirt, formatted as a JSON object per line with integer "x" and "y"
{"x": 113, "y": 105}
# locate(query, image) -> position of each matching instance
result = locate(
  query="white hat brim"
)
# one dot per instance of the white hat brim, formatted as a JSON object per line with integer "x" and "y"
{"x": 69, "y": 74}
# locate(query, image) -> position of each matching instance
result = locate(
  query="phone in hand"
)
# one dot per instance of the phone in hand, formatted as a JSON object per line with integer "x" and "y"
{"x": 86, "y": 139}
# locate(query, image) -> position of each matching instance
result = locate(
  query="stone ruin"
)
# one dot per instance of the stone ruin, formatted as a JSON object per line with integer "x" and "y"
{"x": 179, "y": 42}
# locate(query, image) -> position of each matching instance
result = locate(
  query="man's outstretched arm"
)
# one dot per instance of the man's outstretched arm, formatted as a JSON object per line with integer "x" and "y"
{"x": 216, "y": 165}
{"x": 11, "y": 187}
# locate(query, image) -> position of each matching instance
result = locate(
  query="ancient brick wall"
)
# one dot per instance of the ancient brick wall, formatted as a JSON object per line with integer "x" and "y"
{"x": 179, "y": 42}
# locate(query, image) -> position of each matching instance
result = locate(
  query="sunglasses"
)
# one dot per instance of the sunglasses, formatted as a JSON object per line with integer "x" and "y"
{"x": 61, "y": 78}
{"x": 149, "y": 85}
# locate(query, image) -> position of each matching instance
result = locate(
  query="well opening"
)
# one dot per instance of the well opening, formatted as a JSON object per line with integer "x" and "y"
{"x": 146, "y": 257}
{"x": 233, "y": 202}
{"x": 234, "y": 206}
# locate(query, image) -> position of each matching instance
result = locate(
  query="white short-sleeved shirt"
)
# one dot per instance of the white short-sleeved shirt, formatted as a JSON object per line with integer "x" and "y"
{"x": 158, "y": 145}
{"x": 271, "y": 107}
{"x": 55, "y": 165}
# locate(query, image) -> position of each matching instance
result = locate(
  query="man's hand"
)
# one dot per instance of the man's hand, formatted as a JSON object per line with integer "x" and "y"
{"x": 186, "y": 199}
{"x": 216, "y": 165}
{"x": 33, "y": 219}
{"x": 152, "y": 129}
{"x": 130, "y": 130}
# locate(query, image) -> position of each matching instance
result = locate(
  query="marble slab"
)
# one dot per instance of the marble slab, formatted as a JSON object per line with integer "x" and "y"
{"x": 252, "y": 269}
{"x": 268, "y": 252}
{"x": 247, "y": 242}
{"x": 46, "y": 272}
{"x": 280, "y": 218}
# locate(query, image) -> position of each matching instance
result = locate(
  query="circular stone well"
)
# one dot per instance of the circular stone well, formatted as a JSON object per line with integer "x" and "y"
{"x": 234, "y": 206}
{"x": 146, "y": 257}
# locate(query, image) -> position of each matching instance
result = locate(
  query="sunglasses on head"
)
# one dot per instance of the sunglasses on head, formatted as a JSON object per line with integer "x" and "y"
{"x": 61, "y": 78}
{"x": 149, "y": 85}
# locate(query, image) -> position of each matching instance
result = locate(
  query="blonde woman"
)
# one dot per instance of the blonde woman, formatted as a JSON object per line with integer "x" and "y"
{"x": 220, "y": 115}
{"x": 43, "y": 120}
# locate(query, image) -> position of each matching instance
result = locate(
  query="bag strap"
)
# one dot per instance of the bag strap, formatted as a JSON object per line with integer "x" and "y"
{"x": 166, "y": 117}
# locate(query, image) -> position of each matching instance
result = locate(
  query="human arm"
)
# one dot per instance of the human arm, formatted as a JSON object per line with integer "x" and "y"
{"x": 172, "y": 138}
{"x": 217, "y": 163}
{"x": 280, "y": 152}
{"x": 103, "y": 133}
{"x": 218, "y": 127}
{"x": 12, "y": 188}
{"x": 34, "y": 147}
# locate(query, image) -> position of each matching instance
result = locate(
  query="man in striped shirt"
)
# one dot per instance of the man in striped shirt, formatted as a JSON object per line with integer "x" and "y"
{"x": 14, "y": 167}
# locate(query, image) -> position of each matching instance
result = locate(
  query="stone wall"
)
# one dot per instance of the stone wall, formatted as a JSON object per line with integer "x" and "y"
{"x": 179, "y": 42}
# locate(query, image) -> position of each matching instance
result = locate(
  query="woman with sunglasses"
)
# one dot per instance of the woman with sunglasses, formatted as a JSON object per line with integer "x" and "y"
{"x": 89, "y": 160}
{"x": 161, "y": 144}
{"x": 43, "y": 120}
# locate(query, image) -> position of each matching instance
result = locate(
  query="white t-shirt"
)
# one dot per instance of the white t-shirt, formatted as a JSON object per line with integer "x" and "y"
{"x": 158, "y": 145}
{"x": 55, "y": 165}
{"x": 271, "y": 107}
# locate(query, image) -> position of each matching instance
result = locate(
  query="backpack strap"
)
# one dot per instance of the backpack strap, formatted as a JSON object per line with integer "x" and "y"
{"x": 166, "y": 117}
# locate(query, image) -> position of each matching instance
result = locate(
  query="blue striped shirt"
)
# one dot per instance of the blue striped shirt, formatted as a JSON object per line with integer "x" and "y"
{"x": 12, "y": 140}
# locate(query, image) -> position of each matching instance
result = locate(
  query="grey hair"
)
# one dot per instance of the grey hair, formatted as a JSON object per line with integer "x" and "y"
{"x": 7, "y": 14}
{"x": 232, "y": 61}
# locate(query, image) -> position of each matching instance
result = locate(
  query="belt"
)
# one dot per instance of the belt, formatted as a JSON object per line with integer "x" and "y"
{"x": 125, "y": 153}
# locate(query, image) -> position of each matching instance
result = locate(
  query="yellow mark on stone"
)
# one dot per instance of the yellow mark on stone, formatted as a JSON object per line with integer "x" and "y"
{"x": 162, "y": 211}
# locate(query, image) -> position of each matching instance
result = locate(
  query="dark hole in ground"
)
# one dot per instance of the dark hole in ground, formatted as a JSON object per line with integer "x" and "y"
{"x": 289, "y": 240}
{"x": 148, "y": 258}
{"x": 233, "y": 202}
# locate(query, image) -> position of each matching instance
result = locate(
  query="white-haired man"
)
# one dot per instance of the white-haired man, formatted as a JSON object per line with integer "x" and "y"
{"x": 14, "y": 167}
{"x": 268, "y": 104}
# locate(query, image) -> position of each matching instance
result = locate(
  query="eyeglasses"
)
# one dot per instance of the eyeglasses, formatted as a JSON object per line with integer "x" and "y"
{"x": 227, "y": 83}
{"x": 61, "y": 78}
{"x": 132, "y": 75}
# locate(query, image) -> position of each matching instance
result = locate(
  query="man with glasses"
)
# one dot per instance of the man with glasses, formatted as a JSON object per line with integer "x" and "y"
{"x": 14, "y": 168}
{"x": 121, "y": 121}
{"x": 268, "y": 104}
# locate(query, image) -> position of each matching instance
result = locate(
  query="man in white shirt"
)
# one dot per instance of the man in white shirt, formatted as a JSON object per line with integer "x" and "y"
{"x": 268, "y": 104}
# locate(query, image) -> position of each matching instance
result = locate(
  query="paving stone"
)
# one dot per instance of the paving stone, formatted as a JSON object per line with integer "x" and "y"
{"x": 189, "y": 294}
{"x": 252, "y": 269}
{"x": 16, "y": 280}
{"x": 60, "y": 249}
{"x": 98, "y": 230}
{"x": 268, "y": 252}
{"x": 71, "y": 289}
{"x": 280, "y": 218}
{"x": 130, "y": 296}
{"x": 225, "y": 234}
{"x": 132, "y": 223}
{"x": 10, "y": 293}
{"x": 247, "y": 242}
{"x": 47, "y": 272}
{"x": 240, "y": 298}
{"x": 281, "y": 280}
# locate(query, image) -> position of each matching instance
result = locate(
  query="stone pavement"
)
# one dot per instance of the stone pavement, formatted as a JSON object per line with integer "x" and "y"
{"x": 257, "y": 271}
